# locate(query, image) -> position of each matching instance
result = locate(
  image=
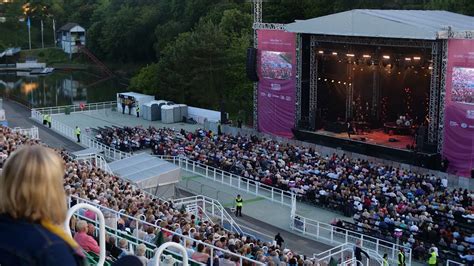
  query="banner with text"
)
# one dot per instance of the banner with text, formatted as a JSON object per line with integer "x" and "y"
{"x": 458, "y": 145}
{"x": 277, "y": 82}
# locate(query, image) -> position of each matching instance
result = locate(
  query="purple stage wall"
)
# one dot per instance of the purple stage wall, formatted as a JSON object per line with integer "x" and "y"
{"x": 277, "y": 82}
{"x": 458, "y": 145}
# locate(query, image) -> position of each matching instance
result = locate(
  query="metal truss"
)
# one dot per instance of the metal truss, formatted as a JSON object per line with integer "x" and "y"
{"x": 268, "y": 26}
{"x": 375, "y": 93}
{"x": 444, "y": 68}
{"x": 299, "y": 61}
{"x": 257, "y": 18}
{"x": 374, "y": 41}
{"x": 434, "y": 94}
{"x": 449, "y": 34}
{"x": 257, "y": 11}
{"x": 313, "y": 82}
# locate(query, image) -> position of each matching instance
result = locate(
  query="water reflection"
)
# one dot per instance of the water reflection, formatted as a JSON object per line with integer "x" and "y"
{"x": 59, "y": 88}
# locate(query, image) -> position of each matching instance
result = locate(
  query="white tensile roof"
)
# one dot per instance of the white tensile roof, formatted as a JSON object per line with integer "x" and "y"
{"x": 404, "y": 24}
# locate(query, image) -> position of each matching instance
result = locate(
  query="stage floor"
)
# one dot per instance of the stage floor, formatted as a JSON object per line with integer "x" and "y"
{"x": 376, "y": 137}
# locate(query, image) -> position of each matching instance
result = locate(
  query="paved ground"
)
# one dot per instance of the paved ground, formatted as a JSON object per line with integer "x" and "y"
{"x": 107, "y": 117}
{"x": 19, "y": 116}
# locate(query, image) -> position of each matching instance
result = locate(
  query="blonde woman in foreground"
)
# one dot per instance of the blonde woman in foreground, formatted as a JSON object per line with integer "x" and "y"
{"x": 33, "y": 209}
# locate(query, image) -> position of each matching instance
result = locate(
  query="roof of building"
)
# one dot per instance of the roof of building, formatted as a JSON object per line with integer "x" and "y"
{"x": 405, "y": 24}
{"x": 68, "y": 26}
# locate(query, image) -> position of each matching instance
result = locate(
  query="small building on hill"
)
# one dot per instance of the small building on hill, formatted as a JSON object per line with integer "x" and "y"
{"x": 71, "y": 36}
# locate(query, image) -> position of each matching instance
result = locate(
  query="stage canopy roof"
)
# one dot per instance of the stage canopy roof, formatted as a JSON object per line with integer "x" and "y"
{"x": 405, "y": 24}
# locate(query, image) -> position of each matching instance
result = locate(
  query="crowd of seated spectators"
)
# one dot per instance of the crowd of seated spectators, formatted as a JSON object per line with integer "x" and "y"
{"x": 93, "y": 184}
{"x": 382, "y": 198}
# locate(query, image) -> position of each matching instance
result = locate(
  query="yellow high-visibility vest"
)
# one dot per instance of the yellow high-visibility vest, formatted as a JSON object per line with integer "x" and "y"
{"x": 432, "y": 259}
{"x": 77, "y": 131}
{"x": 239, "y": 202}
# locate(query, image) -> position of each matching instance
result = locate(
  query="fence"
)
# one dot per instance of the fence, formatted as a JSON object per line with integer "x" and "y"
{"x": 77, "y": 108}
{"x": 31, "y": 133}
{"x": 68, "y": 132}
{"x": 112, "y": 216}
{"x": 339, "y": 236}
{"x": 96, "y": 160}
{"x": 209, "y": 206}
{"x": 249, "y": 186}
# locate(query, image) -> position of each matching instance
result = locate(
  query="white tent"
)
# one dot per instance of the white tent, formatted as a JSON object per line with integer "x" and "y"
{"x": 132, "y": 98}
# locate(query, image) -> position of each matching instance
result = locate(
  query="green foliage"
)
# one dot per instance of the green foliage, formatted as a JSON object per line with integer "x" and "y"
{"x": 192, "y": 51}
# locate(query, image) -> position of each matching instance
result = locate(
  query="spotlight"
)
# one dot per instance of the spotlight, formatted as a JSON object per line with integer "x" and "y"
{"x": 339, "y": 82}
{"x": 334, "y": 53}
{"x": 319, "y": 78}
{"x": 345, "y": 83}
{"x": 416, "y": 58}
{"x": 325, "y": 79}
{"x": 350, "y": 55}
{"x": 386, "y": 57}
{"x": 350, "y": 84}
{"x": 320, "y": 52}
{"x": 366, "y": 56}
{"x": 430, "y": 67}
{"x": 407, "y": 59}
{"x": 332, "y": 81}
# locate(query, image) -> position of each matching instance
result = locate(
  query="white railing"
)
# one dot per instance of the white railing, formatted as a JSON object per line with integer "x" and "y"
{"x": 133, "y": 241}
{"x": 99, "y": 214}
{"x": 86, "y": 141}
{"x": 113, "y": 216}
{"x": 162, "y": 248}
{"x": 86, "y": 107}
{"x": 344, "y": 253}
{"x": 219, "y": 176}
{"x": 95, "y": 160}
{"x": 211, "y": 207}
{"x": 31, "y": 133}
{"x": 339, "y": 236}
{"x": 454, "y": 263}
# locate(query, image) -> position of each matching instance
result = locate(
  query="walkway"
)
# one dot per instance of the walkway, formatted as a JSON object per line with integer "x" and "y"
{"x": 19, "y": 116}
{"x": 107, "y": 117}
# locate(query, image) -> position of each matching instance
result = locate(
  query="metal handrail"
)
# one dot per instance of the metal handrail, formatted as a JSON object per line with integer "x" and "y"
{"x": 162, "y": 248}
{"x": 211, "y": 247}
{"x": 339, "y": 235}
{"x": 454, "y": 263}
{"x": 30, "y": 132}
{"x": 100, "y": 215}
{"x": 75, "y": 108}
{"x": 214, "y": 205}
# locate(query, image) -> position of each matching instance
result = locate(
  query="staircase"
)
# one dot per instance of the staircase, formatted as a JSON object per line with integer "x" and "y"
{"x": 100, "y": 65}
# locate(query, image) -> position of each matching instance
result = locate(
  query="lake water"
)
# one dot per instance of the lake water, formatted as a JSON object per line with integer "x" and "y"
{"x": 58, "y": 88}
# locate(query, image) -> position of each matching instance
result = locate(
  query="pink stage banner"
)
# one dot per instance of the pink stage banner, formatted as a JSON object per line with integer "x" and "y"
{"x": 458, "y": 145}
{"x": 277, "y": 82}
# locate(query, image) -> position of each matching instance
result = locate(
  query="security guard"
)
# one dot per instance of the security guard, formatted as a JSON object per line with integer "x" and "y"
{"x": 239, "y": 202}
{"x": 385, "y": 260}
{"x": 49, "y": 120}
{"x": 432, "y": 261}
{"x": 401, "y": 258}
{"x": 138, "y": 111}
{"x": 77, "y": 132}
{"x": 45, "y": 119}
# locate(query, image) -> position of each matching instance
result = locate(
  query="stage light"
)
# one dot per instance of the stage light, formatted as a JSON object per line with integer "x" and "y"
{"x": 386, "y": 57}
{"x": 334, "y": 53}
{"x": 350, "y": 55}
{"x": 361, "y": 69}
{"x": 339, "y": 82}
{"x": 407, "y": 59}
{"x": 416, "y": 58}
{"x": 332, "y": 81}
{"x": 320, "y": 52}
{"x": 366, "y": 56}
{"x": 399, "y": 72}
{"x": 319, "y": 78}
{"x": 345, "y": 83}
{"x": 430, "y": 68}
{"x": 325, "y": 79}
{"x": 350, "y": 84}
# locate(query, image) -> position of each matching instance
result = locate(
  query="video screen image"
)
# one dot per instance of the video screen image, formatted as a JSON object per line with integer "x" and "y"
{"x": 463, "y": 85}
{"x": 276, "y": 65}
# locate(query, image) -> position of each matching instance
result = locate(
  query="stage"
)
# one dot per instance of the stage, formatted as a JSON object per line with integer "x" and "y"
{"x": 375, "y": 144}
